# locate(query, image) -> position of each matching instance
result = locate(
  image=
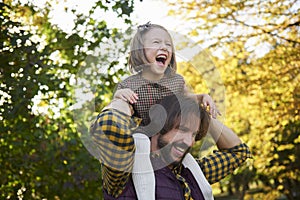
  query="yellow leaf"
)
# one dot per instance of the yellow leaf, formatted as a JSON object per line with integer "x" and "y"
{"x": 297, "y": 140}
{"x": 194, "y": 32}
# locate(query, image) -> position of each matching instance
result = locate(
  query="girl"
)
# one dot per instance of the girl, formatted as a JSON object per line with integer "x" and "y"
{"x": 152, "y": 60}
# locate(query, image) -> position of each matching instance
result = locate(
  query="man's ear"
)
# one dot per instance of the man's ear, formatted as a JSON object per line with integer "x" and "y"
{"x": 158, "y": 117}
{"x": 154, "y": 140}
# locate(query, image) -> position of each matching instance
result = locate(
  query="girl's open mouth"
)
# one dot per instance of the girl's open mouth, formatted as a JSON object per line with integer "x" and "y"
{"x": 161, "y": 58}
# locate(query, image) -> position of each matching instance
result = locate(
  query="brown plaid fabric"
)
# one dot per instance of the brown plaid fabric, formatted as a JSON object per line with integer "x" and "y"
{"x": 150, "y": 92}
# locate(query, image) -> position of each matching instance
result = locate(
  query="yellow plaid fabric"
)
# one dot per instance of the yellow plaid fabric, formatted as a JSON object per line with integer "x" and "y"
{"x": 186, "y": 188}
{"x": 112, "y": 134}
{"x": 223, "y": 162}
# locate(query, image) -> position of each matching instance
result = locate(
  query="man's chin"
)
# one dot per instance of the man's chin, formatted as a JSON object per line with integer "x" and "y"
{"x": 177, "y": 161}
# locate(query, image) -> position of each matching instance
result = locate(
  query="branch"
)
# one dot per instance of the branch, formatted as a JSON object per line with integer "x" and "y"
{"x": 270, "y": 31}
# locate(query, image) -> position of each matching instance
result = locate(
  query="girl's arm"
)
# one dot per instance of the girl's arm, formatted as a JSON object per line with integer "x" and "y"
{"x": 206, "y": 100}
{"x": 126, "y": 94}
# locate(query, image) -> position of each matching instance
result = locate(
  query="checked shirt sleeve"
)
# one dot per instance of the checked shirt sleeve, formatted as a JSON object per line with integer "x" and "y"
{"x": 223, "y": 162}
{"x": 112, "y": 135}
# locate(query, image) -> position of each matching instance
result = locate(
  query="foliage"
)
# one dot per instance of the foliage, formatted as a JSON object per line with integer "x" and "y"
{"x": 255, "y": 47}
{"x": 254, "y": 58}
{"x": 42, "y": 155}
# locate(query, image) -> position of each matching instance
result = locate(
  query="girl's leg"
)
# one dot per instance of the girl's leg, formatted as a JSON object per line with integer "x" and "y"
{"x": 142, "y": 173}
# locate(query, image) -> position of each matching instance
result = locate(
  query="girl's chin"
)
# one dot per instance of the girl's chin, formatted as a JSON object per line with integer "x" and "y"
{"x": 160, "y": 65}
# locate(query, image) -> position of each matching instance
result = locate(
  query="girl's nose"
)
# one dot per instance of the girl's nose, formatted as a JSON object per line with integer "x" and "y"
{"x": 163, "y": 47}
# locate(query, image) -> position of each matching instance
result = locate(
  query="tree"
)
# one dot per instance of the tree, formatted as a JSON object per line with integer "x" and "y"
{"x": 42, "y": 155}
{"x": 255, "y": 47}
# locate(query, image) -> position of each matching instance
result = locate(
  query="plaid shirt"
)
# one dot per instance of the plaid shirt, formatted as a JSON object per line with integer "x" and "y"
{"x": 150, "y": 92}
{"x": 112, "y": 134}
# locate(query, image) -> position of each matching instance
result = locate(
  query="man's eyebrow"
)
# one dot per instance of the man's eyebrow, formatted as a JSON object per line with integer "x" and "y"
{"x": 183, "y": 128}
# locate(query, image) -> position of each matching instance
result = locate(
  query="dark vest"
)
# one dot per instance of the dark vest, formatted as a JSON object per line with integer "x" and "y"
{"x": 167, "y": 187}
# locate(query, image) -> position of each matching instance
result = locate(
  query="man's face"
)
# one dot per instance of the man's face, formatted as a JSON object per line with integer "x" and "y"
{"x": 175, "y": 144}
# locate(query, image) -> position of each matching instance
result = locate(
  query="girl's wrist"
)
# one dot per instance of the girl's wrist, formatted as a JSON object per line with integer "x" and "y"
{"x": 120, "y": 105}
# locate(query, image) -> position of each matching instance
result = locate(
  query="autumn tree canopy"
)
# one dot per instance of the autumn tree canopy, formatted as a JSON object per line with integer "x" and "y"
{"x": 255, "y": 46}
{"x": 42, "y": 155}
{"x": 249, "y": 64}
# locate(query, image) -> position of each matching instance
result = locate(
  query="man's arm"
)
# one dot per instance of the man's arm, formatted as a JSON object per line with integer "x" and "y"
{"x": 224, "y": 137}
{"x": 231, "y": 154}
{"x": 112, "y": 134}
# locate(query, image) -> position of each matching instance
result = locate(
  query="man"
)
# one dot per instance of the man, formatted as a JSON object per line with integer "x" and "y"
{"x": 176, "y": 123}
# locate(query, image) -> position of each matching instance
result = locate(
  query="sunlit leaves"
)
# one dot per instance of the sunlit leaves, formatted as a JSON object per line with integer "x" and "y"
{"x": 255, "y": 46}
{"x": 42, "y": 156}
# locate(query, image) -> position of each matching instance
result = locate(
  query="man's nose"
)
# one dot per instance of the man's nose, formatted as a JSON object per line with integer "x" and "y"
{"x": 189, "y": 139}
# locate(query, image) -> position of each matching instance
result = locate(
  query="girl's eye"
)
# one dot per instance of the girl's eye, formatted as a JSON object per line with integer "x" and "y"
{"x": 169, "y": 45}
{"x": 155, "y": 42}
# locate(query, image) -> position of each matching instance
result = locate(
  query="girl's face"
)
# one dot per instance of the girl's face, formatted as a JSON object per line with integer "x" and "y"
{"x": 158, "y": 51}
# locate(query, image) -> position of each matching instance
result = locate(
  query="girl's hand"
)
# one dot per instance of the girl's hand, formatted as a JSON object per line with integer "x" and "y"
{"x": 126, "y": 94}
{"x": 208, "y": 102}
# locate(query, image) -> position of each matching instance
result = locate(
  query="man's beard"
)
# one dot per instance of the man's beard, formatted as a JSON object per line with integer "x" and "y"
{"x": 165, "y": 150}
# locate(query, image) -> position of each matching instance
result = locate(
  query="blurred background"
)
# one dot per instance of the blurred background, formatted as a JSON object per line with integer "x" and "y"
{"x": 245, "y": 54}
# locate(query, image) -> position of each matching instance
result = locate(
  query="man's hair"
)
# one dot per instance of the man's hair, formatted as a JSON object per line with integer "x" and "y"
{"x": 176, "y": 110}
{"x": 137, "y": 59}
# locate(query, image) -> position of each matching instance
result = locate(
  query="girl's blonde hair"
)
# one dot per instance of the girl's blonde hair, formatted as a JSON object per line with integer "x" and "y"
{"x": 137, "y": 59}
